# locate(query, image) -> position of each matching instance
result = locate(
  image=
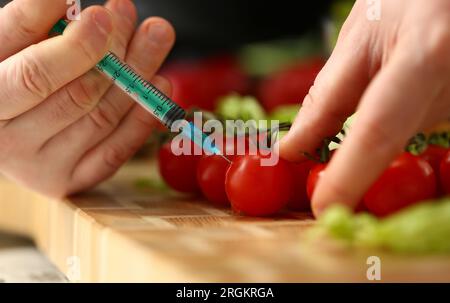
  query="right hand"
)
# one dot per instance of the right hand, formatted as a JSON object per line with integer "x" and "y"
{"x": 395, "y": 72}
{"x": 63, "y": 126}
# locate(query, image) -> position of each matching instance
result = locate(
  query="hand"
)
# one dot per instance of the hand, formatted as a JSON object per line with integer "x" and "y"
{"x": 63, "y": 126}
{"x": 396, "y": 72}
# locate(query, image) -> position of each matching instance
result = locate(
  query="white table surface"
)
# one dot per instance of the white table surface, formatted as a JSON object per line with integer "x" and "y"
{"x": 20, "y": 261}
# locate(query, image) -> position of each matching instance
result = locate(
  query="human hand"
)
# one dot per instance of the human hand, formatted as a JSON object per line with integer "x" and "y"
{"x": 63, "y": 126}
{"x": 396, "y": 73}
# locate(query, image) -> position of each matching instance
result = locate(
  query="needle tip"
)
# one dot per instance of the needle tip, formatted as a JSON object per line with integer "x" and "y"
{"x": 223, "y": 156}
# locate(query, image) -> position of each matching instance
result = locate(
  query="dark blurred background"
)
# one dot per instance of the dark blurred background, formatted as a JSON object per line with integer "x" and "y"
{"x": 211, "y": 25}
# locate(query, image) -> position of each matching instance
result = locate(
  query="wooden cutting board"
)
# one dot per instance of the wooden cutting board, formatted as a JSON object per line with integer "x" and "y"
{"x": 123, "y": 232}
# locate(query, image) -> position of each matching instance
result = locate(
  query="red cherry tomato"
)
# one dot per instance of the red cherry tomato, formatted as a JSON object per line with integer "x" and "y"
{"x": 313, "y": 178}
{"x": 289, "y": 86}
{"x": 361, "y": 208}
{"x": 299, "y": 200}
{"x": 434, "y": 155}
{"x": 408, "y": 180}
{"x": 200, "y": 83}
{"x": 237, "y": 145}
{"x": 226, "y": 74}
{"x": 259, "y": 140}
{"x": 257, "y": 190}
{"x": 179, "y": 172}
{"x": 182, "y": 76}
{"x": 211, "y": 172}
{"x": 445, "y": 173}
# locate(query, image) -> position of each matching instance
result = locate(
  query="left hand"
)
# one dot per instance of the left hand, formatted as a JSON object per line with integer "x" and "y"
{"x": 64, "y": 127}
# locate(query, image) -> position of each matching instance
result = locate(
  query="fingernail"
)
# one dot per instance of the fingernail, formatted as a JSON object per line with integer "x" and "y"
{"x": 103, "y": 21}
{"x": 158, "y": 32}
{"x": 125, "y": 9}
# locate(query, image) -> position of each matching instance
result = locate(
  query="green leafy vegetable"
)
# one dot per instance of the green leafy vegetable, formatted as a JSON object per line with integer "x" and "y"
{"x": 345, "y": 128}
{"x": 285, "y": 113}
{"x": 236, "y": 107}
{"x": 423, "y": 228}
{"x": 150, "y": 184}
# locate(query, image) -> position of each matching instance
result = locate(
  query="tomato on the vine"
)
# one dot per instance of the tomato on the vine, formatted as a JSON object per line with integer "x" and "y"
{"x": 300, "y": 172}
{"x": 445, "y": 173}
{"x": 212, "y": 169}
{"x": 179, "y": 171}
{"x": 313, "y": 177}
{"x": 211, "y": 172}
{"x": 257, "y": 190}
{"x": 434, "y": 154}
{"x": 289, "y": 86}
{"x": 408, "y": 180}
{"x": 232, "y": 146}
{"x": 200, "y": 83}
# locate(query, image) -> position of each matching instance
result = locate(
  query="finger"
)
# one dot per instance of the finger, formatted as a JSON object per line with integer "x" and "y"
{"x": 32, "y": 75}
{"x": 392, "y": 110}
{"x": 80, "y": 96}
{"x": 106, "y": 158}
{"x": 124, "y": 18}
{"x": 440, "y": 113}
{"x": 25, "y": 22}
{"x": 333, "y": 97}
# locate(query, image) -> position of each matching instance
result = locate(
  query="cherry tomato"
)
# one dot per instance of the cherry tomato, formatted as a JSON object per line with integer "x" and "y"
{"x": 179, "y": 172}
{"x": 289, "y": 86}
{"x": 313, "y": 178}
{"x": 200, "y": 83}
{"x": 361, "y": 208}
{"x": 211, "y": 172}
{"x": 408, "y": 180}
{"x": 299, "y": 200}
{"x": 182, "y": 76}
{"x": 231, "y": 147}
{"x": 445, "y": 173}
{"x": 259, "y": 140}
{"x": 257, "y": 190}
{"x": 434, "y": 155}
{"x": 227, "y": 75}
{"x": 311, "y": 183}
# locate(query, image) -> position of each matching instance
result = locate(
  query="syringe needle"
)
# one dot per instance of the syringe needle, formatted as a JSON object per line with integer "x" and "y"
{"x": 223, "y": 156}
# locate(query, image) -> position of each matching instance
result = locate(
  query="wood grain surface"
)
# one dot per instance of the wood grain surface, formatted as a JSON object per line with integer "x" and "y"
{"x": 122, "y": 232}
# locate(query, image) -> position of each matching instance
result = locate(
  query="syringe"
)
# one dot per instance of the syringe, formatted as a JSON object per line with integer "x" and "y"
{"x": 147, "y": 95}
